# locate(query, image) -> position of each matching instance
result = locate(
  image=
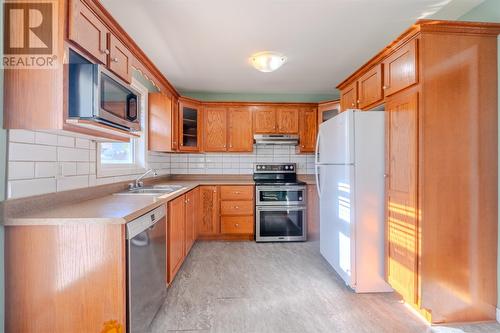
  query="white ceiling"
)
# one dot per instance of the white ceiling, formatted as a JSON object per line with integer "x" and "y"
{"x": 204, "y": 45}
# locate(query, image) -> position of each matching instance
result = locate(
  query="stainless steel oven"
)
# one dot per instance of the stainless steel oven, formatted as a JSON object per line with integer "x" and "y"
{"x": 280, "y": 223}
{"x": 280, "y": 205}
{"x": 280, "y": 195}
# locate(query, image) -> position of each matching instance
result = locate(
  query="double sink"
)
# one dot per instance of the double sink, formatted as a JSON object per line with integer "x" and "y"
{"x": 152, "y": 190}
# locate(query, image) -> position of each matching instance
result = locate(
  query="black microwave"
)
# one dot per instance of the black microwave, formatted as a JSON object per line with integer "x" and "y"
{"x": 98, "y": 95}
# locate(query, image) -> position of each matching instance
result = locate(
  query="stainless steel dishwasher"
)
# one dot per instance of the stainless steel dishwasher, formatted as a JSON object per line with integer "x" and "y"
{"x": 146, "y": 269}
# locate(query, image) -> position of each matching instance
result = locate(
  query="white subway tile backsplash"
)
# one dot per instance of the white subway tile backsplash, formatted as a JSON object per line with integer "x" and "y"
{"x": 42, "y": 138}
{"x": 41, "y": 162}
{"x": 21, "y": 136}
{"x": 72, "y": 154}
{"x": 82, "y": 143}
{"x": 21, "y": 170}
{"x": 65, "y": 141}
{"x": 45, "y": 169}
{"x": 28, "y": 187}
{"x": 68, "y": 168}
{"x": 31, "y": 152}
{"x": 70, "y": 183}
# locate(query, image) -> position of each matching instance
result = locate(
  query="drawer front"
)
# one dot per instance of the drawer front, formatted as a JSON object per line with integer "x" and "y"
{"x": 236, "y": 192}
{"x": 237, "y": 225}
{"x": 236, "y": 207}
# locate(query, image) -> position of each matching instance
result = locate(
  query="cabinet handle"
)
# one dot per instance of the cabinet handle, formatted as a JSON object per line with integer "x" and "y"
{"x": 236, "y": 207}
{"x": 352, "y": 104}
{"x": 106, "y": 51}
{"x": 384, "y": 87}
{"x": 236, "y": 192}
{"x": 237, "y": 225}
{"x": 115, "y": 59}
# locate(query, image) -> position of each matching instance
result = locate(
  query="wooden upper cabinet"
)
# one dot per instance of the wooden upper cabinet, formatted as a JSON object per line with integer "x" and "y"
{"x": 308, "y": 131}
{"x": 215, "y": 129}
{"x": 189, "y": 126}
{"x": 400, "y": 68}
{"x": 349, "y": 97}
{"x": 264, "y": 120}
{"x": 370, "y": 87}
{"x": 240, "y": 133}
{"x": 328, "y": 110}
{"x": 287, "y": 120}
{"x": 208, "y": 212}
{"x": 86, "y": 30}
{"x": 176, "y": 236}
{"x": 161, "y": 120}
{"x": 120, "y": 59}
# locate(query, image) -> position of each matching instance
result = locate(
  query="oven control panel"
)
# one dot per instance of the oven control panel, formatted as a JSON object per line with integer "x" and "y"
{"x": 275, "y": 168}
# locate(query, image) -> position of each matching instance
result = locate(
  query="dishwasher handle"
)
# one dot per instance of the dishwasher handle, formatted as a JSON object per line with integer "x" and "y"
{"x": 145, "y": 221}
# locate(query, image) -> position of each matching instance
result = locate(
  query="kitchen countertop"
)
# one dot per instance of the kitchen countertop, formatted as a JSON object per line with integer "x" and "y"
{"x": 120, "y": 209}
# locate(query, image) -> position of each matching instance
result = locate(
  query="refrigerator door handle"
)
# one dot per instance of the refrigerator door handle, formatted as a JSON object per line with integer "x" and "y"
{"x": 316, "y": 154}
{"x": 318, "y": 187}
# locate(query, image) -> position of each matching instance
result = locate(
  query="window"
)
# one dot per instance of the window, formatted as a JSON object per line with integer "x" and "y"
{"x": 125, "y": 158}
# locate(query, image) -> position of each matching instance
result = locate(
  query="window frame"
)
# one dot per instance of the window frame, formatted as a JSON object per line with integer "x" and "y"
{"x": 139, "y": 144}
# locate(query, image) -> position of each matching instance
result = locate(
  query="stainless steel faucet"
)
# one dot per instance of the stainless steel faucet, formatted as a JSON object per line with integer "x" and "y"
{"x": 137, "y": 183}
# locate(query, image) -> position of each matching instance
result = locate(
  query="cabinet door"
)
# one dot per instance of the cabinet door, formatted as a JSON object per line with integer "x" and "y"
{"x": 401, "y": 194}
{"x": 240, "y": 130}
{"x": 215, "y": 129}
{"x": 287, "y": 120}
{"x": 176, "y": 236}
{"x": 349, "y": 96}
{"x": 400, "y": 68}
{"x": 120, "y": 59}
{"x": 328, "y": 110}
{"x": 86, "y": 30}
{"x": 175, "y": 125}
{"x": 160, "y": 119}
{"x": 370, "y": 87}
{"x": 308, "y": 131}
{"x": 190, "y": 219}
{"x": 264, "y": 120}
{"x": 208, "y": 219}
{"x": 189, "y": 127}
{"x": 312, "y": 213}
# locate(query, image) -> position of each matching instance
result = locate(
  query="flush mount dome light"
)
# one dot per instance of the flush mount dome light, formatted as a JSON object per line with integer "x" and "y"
{"x": 267, "y": 61}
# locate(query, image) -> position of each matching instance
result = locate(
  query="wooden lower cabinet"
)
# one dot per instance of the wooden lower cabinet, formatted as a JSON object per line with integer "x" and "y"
{"x": 191, "y": 216}
{"x": 237, "y": 224}
{"x": 65, "y": 278}
{"x": 312, "y": 213}
{"x": 401, "y": 194}
{"x": 237, "y": 212}
{"x": 176, "y": 236}
{"x": 208, "y": 212}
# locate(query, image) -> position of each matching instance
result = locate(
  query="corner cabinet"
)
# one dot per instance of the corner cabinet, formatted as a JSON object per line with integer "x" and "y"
{"x": 328, "y": 110}
{"x": 189, "y": 126}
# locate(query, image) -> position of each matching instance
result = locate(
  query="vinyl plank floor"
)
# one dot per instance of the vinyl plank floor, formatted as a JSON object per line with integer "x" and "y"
{"x": 278, "y": 287}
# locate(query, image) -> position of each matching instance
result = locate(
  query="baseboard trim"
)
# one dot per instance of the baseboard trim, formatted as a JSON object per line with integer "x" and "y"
{"x": 498, "y": 315}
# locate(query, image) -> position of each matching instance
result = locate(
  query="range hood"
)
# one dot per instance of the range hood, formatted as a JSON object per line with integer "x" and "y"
{"x": 276, "y": 139}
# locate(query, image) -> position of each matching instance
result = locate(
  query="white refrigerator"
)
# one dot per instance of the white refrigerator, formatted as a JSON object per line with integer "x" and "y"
{"x": 350, "y": 182}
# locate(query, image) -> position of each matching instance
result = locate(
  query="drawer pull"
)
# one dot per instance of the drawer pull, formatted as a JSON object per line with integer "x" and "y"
{"x": 236, "y": 207}
{"x": 237, "y": 225}
{"x": 236, "y": 192}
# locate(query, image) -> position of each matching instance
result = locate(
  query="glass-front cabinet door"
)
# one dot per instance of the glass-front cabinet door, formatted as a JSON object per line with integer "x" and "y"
{"x": 189, "y": 126}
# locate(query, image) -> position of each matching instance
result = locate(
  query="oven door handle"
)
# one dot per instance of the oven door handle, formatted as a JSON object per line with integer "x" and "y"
{"x": 281, "y": 188}
{"x": 281, "y": 208}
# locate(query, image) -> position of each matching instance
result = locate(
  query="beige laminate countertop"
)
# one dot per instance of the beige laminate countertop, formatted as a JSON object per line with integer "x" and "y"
{"x": 112, "y": 209}
{"x": 117, "y": 209}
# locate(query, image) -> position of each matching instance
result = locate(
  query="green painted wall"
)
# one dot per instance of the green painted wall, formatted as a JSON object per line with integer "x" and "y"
{"x": 254, "y": 97}
{"x": 489, "y": 11}
{"x": 145, "y": 82}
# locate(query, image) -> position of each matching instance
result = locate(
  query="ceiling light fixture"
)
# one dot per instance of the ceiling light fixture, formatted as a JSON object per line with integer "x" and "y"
{"x": 267, "y": 61}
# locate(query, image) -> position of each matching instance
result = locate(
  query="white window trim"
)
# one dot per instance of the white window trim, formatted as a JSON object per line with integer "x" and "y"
{"x": 140, "y": 144}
